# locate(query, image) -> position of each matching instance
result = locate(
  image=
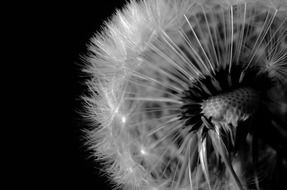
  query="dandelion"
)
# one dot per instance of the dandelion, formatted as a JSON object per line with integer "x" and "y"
{"x": 191, "y": 94}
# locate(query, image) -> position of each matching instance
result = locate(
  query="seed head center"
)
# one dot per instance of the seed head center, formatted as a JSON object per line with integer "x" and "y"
{"x": 231, "y": 107}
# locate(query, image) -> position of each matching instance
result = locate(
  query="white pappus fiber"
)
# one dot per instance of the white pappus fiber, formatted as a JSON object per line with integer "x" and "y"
{"x": 190, "y": 94}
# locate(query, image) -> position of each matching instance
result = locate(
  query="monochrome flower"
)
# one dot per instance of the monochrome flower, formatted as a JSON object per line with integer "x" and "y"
{"x": 191, "y": 94}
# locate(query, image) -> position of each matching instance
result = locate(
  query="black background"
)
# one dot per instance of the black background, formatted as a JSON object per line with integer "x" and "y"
{"x": 54, "y": 37}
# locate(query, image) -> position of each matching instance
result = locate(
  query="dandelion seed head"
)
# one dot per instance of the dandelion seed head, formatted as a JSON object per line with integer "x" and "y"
{"x": 185, "y": 94}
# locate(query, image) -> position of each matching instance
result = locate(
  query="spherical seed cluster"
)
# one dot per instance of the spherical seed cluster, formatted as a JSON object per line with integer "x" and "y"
{"x": 182, "y": 94}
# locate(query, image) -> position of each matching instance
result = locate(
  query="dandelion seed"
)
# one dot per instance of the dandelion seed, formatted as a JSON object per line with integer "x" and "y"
{"x": 191, "y": 94}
